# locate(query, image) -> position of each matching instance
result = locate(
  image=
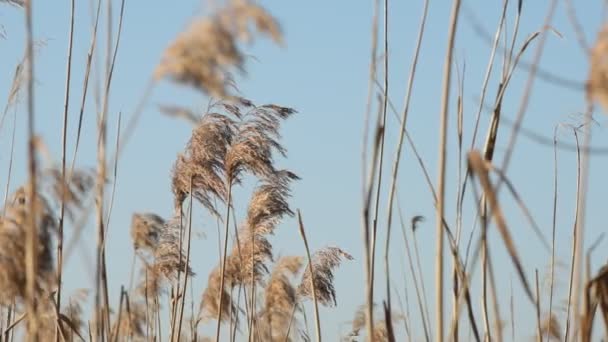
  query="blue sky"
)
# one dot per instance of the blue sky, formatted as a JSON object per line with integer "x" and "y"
{"x": 323, "y": 73}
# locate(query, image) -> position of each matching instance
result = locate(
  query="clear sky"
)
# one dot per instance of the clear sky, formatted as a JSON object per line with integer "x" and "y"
{"x": 323, "y": 73}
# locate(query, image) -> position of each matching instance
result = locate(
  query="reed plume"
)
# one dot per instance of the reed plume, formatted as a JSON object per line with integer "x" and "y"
{"x": 267, "y": 206}
{"x": 207, "y": 53}
{"x": 73, "y": 312}
{"x": 69, "y": 321}
{"x": 551, "y": 328}
{"x": 150, "y": 286}
{"x": 12, "y": 246}
{"x": 203, "y": 162}
{"x": 255, "y": 142}
{"x": 146, "y": 229}
{"x": 247, "y": 261}
{"x": 76, "y": 189}
{"x": 132, "y": 323}
{"x": 324, "y": 262}
{"x": 169, "y": 257}
{"x": 223, "y": 146}
{"x": 597, "y": 83}
{"x": 281, "y": 299}
{"x": 210, "y": 303}
{"x": 380, "y": 333}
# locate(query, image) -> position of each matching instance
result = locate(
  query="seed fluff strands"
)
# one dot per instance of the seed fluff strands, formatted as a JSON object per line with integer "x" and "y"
{"x": 324, "y": 261}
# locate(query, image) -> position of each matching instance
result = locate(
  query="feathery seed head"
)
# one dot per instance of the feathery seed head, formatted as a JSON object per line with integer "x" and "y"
{"x": 324, "y": 262}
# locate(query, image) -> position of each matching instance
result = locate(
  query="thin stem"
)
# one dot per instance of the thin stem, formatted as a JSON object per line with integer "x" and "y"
{"x": 528, "y": 88}
{"x": 367, "y": 179}
{"x": 495, "y": 307}
{"x": 312, "y": 278}
{"x": 484, "y": 272}
{"x": 117, "y": 332}
{"x": 554, "y": 225}
{"x": 575, "y": 237}
{"x": 413, "y": 273}
{"x": 291, "y": 319}
{"x": 397, "y": 157}
{"x": 86, "y": 83}
{"x": 188, "y": 243}
{"x": 31, "y": 257}
{"x": 224, "y": 257}
{"x": 445, "y": 99}
{"x": 538, "y": 328}
{"x": 10, "y": 164}
{"x": 64, "y": 184}
{"x": 381, "y": 160}
{"x": 422, "y": 284}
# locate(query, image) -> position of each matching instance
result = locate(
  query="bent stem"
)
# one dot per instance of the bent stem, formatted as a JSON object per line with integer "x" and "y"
{"x": 312, "y": 277}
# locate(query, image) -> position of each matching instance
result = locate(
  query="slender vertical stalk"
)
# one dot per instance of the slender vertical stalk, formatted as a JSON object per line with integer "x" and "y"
{"x": 425, "y": 322}
{"x": 484, "y": 272}
{"x": 291, "y": 318}
{"x": 459, "y": 130}
{"x": 538, "y": 324}
{"x": 395, "y": 171}
{"x": 498, "y": 328}
{"x": 64, "y": 183}
{"x": 32, "y": 229}
{"x": 580, "y": 220}
{"x": 381, "y": 161}
{"x": 101, "y": 309}
{"x": 252, "y": 294}
{"x": 224, "y": 257}
{"x": 554, "y": 224}
{"x": 419, "y": 269}
{"x": 117, "y": 332}
{"x": 85, "y": 85}
{"x": 527, "y": 92}
{"x": 9, "y": 318}
{"x": 445, "y": 99}
{"x": 175, "y": 291}
{"x": 10, "y": 164}
{"x": 312, "y": 278}
{"x": 367, "y": 179}
{"x": 575, "y": 237}
{"x": 188, "y": 243}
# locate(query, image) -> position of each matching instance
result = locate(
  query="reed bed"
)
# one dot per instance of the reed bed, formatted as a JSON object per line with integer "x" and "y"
{"x": 252, "y": 291}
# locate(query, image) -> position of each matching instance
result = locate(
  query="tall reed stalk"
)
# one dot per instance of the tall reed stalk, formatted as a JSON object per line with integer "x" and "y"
{"x": 443, "y": 122}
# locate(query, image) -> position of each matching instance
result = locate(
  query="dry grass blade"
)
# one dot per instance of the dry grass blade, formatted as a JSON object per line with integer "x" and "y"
{"x": 477, "y": 164}
{"x": 15, "y": 323}
{"x": 18, "y": 3}
{"x": 521, "y": 204}
{"x": 15, "y": 90}
{"x": 86, "y": 82}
